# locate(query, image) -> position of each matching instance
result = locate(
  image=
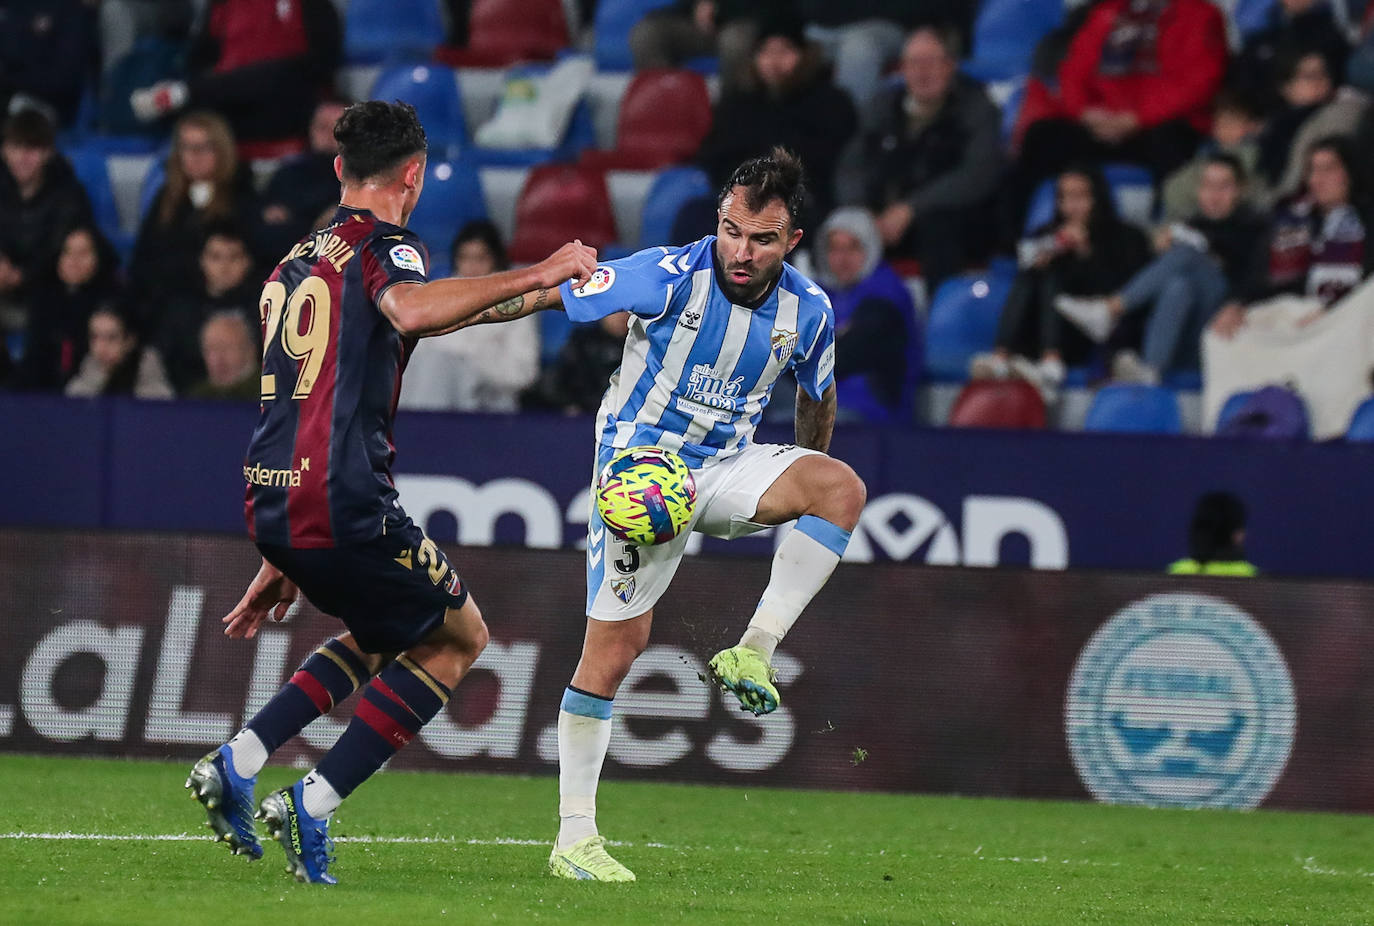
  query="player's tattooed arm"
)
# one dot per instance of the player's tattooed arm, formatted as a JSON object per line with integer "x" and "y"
{"x": 815, "y": 421}
{"x": 516, "y": 307}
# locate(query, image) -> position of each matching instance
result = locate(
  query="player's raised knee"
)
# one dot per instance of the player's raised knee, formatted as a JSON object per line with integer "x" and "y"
{"x": 838, "y": 494}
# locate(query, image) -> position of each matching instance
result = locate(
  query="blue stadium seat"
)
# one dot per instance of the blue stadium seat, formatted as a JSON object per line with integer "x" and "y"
{"x": 1362, "y": 423}
{"x": 1134, "y": 408}
{"x": 1232, "y": 406}
{"x": 452, "y": 198}
{"x": 1132, "y": 189}
{"x": 554, "y": 330}
{"x": 94, "y": 174}
{"x": 963, "y": 322}
{"x": 670, "y": 190}
{"x": 1005, "y": 35}
{"x": 433, "y": 91}
{"x": 1251, "y": 16}
{"x": 614, "y": 20}
{"x": 380, "y": 31}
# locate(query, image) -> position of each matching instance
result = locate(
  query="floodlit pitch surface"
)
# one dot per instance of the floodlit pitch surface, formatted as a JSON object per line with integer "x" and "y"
{"x": 99, "y": 841}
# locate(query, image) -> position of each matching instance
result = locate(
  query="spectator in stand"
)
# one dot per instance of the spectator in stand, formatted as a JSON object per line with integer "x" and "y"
{"x": 263, "y": 64}
{"x": 672, "y": 36}
{"x": 1201, "y": 263}
{"x": 232, "y": 361}
{"x": 929, "y": 168}
{"x": 479, "y": 369}
{"x": 1085, "y": 250}
{"x": 227, "y": 284}
{"x": 1306, "y": 87}
{"x": 1339, "y": 118}
{"x": 791, "y": 103}
{"x": 85, "y": 278}
{"x": 303, "y": 187}
{"x": 41, "y": 200}
{"x": 1236, "y": 125}
{"x": 877, "y": 336}
{"x": 576, "y": 381}
{"x": 1136, "y": 86}
{"x": 116, "y": 363}
{"x": 1295, "y": 26}
{"x": 1317, "y": 244}
{"x": 205, "y": 185}
{"x": 47, "y": 50}
{"x": 1216, "y": 539}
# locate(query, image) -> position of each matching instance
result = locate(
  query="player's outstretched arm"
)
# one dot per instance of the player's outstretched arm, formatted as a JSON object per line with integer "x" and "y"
{"x": 422, "y": 310}
{"x": 517, "y": 307}
{"x": 815, "y": 421}
{"x": 270, "y": 591}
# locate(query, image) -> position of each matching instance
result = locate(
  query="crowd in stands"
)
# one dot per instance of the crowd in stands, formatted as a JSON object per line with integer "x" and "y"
{"x": 1237, "y": 119}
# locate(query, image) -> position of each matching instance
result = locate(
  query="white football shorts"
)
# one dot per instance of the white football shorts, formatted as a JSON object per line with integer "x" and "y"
{"x": 625, "y": 580}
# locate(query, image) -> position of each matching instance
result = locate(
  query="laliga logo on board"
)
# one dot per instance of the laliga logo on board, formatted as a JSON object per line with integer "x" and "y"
{"x": 1180, "y": 700}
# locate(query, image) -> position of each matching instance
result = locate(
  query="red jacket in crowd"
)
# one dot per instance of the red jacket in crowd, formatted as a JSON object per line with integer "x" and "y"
{"x": 1160, "y": 59}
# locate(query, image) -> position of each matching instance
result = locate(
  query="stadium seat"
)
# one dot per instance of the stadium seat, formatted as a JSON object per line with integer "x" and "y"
{"x": 1232, "y": 406}
{"x": 614, "y": 20}
{"x": 998, "y": 403}
{"x": 561, "y": 202}
{"x": 664, "y": 117}
{"x": 554, "y": 331}
{"x": 1134, "y": 408}
{"x": 670, "y": 191}
{"x": 91, "y": 169}
{"x": 452, "y": 198}
{"x": 504, "y": 32}
{"x": 1133, "y": 192}
{"x": 963, "y": 322}
{"x": 1250, "y": 16}
{"x": 1362, "y": 423}
{"x": 433, "y": 91}
{"x": 1005, "y": 35}
{"x": 381, "y": 31}
{"x": 1011, "y": 112}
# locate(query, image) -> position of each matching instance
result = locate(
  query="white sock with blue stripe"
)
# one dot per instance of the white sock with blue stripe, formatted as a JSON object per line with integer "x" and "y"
{"x": 584, "y": 734}
{"x": 801, "y": 567}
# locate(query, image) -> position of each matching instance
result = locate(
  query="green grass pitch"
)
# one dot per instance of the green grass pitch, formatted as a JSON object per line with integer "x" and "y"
{"x": 430, "y": 848}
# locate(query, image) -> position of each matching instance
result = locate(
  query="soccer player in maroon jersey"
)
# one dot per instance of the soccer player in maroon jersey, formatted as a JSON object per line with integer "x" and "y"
{"x": 341, "y": 314}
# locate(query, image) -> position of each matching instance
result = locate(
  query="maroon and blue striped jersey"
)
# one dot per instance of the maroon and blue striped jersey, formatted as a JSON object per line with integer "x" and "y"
{"x": 319, "y": 465}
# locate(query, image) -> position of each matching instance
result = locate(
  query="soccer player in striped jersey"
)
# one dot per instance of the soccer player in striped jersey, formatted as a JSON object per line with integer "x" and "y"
{"x": 341, "y": 314}
{"x": 712, "y": 326}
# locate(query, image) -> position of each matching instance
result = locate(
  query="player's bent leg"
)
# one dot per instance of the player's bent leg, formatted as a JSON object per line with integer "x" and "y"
{"x": 395, "y": 705}
{"x": 826, "y": 498}
{"x": 223, "y": 781}
{"x": 584, "y": 733}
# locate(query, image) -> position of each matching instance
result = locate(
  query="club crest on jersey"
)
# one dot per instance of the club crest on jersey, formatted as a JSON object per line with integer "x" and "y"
{"x": 407, "y": 258}
{"x": 784, "y": 343}
{"x": 452, "y": 584}
{"x": 600, "y": 281}
{"x": 624, "y": 588}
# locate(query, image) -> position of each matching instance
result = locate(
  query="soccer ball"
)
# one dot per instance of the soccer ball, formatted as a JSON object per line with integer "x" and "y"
{"x": 646, "y": 495}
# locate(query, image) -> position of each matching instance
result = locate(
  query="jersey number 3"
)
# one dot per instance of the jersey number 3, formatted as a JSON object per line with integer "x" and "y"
{"x": 304, "y": 327}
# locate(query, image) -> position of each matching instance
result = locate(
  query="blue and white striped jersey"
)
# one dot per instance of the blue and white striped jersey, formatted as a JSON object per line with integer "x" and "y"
{"x": 698, "y": 370}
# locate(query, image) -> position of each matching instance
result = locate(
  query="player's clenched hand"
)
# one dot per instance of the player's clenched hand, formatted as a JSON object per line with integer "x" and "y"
{"x": 270, "y": 592}
{"x": 573, "y": 261}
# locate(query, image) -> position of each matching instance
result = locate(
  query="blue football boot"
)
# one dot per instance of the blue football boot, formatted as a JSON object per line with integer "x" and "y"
{"x": 305, "y": 839}
{"x": 228, "y": 801}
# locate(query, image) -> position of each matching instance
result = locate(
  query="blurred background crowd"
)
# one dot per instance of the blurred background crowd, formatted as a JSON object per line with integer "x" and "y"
{"x": 1126, "y": 214}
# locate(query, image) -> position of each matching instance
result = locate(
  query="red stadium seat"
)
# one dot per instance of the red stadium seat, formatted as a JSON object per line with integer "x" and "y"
{"x": 998, "y": 403}
{"x": 505, "y": 32}
{"x": 664, "y": 118}
{"x": 561, "y": 202}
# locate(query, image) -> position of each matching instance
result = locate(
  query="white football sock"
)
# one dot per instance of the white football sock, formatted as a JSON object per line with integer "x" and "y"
{"x": 318, "y": 797}
{"x": 801, "y": 567}
{"x": 582, "y": 744}
{"x": 248, "y": 753}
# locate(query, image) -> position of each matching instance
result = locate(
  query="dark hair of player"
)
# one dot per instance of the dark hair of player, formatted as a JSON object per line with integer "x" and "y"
{"x": 29, "y": 128}
{"x": 776, "y": 175}
{"x": 374, "y": 137}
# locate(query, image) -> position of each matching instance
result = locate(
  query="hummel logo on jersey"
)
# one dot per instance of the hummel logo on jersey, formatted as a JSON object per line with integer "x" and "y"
{"x": 690, "y": 319}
